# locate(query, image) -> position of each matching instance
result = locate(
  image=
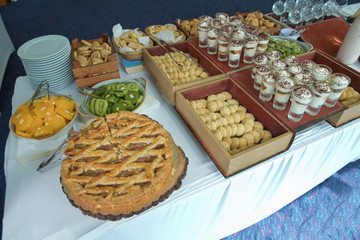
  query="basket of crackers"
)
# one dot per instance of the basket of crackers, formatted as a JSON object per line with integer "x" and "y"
{"x": 261, "y": 21}
{"x": 167, "y": 33}
{"x": 130, "y": 43}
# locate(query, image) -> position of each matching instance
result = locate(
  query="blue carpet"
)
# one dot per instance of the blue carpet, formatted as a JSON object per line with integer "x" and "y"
{"x": 330, "y": 211}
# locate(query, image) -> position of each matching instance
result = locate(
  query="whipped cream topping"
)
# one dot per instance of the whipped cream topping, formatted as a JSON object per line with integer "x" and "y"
{"x": 295, "y": 69}
{"x": 203, "y": 25}
{"x": 251, "y": 39}
{"x": 213, "y": 32}
{"x": 339, "y": 79}
{"x": 222, "y": 16}
{"x": 217, "y": 23}
{"x": 235, "y": 20}
{"x": 260, "y": 58}
{"x": 278, "y": 63}
{"x": 228, "y": 29}
{"x": 308, "y": 64}
{"x": 321, "y": 87}
{"x": 263, "y": 36}
{"x": 291, "y": 59}
{"x": 238, "y": 34}
{"x": 264, "y": 69}
{"x": 243, "y": 25}
{"x": 269, "y": 79}
{"x": 251, "y": 30}
{"x": 236, "y": 43}
{"x": 206, "y": 18}
{"x": 224, "y": 37}
{"x": 273, "y": 54}
{"x": 286, "y": 83}
{"x": 321, "y": 70}
{"x": 304, "y": 78}
{"x": 303, "y": 92}
{"x": 282, "y": 73}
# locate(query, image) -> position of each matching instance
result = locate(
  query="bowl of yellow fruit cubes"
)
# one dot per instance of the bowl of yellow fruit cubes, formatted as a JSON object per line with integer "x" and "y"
{"x": 48, "y": 116}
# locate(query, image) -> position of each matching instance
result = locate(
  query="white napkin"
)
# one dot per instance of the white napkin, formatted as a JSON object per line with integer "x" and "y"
{"x": 118, "y": 31}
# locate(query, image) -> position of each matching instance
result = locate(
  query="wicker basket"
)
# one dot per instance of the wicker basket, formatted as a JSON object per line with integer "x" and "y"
{"x": 148, "y": 32}
{"x": 270, "y": 30}
{"x": 132, "y": 55}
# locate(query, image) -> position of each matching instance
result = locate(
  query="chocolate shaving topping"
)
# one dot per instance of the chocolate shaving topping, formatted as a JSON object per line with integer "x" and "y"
{"x": 291, "y": 59}
{"x": 286, "y": 83}
{"x": 273, "y": 54}
{"x": 263, "y": 68}
{"x": 260, "y": 58}
{"x": 303, "y": 92}
{"x": 269, "y": 78}
{"x": 321, "y": 87}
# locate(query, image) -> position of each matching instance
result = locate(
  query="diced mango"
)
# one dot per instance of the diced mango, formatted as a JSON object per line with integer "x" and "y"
{"x": 42, "y": 131}
{"x": 44, "y": 109}
{"x": 55, "y": 122}
{"x": 24, "y": 122}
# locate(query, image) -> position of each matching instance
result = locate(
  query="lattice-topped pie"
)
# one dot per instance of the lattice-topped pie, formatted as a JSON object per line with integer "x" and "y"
{"x": 121, "y": 165}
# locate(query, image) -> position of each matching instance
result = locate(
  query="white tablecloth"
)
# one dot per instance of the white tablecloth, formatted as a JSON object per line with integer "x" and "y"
{"x": 207, "y": 206}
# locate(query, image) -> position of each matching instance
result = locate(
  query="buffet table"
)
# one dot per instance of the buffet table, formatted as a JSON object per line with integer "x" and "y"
{"x": 207, "y": 206}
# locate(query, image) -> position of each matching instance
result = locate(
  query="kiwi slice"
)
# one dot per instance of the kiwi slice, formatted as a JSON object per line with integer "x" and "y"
{"x": 122, "y": 89}
{"x": 92, "y": 106}
{"x": 126, "y": 104}
{"x": 139, "y": 101}
{"x": 133, "y": 87}
{"x": 132, "y": 96}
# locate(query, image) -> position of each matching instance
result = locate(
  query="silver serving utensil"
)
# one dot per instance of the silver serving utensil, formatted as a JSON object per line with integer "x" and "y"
{"x": 37, "y": 92}
{"x": 175, "y": 50}
{"x": 278, "y": 44}
{"x": 303, "y": 30}
{"x": 49, "y": 163}
{"x": 177, "y": 63}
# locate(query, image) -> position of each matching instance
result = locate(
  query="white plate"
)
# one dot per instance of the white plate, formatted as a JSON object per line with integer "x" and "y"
{"x": 59, "y": 59}
{"x": 55, "y": 57}
{"x": 50, "y": 69}
{"x": 43, "y": 47}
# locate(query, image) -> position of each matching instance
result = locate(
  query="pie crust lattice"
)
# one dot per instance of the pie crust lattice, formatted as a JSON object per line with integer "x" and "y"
{"x": 121, "y": 165}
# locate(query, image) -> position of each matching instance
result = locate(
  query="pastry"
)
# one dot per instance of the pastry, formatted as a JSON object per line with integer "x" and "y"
{"x": 121, "y": 165}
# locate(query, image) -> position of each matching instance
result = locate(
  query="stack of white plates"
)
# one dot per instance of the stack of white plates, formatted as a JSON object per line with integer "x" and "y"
{"x": 47, "y": 58}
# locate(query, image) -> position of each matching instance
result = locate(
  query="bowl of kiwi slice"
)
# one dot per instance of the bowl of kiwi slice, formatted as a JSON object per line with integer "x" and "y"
{"x": 112, "y": 96}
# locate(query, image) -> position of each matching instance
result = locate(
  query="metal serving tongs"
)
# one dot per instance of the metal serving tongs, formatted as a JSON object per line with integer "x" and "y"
{"x": 280, "y": 45}
{"x": 37, "y": 92}
{"x": 49, "y": 163}
{"x": 175, "y": 50}
{"x": 161, "y": 42}
{"x": 83, "y": 90}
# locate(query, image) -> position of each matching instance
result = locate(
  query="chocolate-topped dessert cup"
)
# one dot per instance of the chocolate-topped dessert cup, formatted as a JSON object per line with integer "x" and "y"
{"x": 217, "y": 23}
{"x": 272, "y": 55}
{"x": 206, "y": 18}
{"x": 251, "y": 43}
{"x": 301, "y": 97}
{"x": 212, "y": 41}
{"x": 203, "y": 28}
{"x": 321, "y": 72}
{"x": 224, "y": 17}
{"x": 263, "y": 41}
{"x": 294, "y": 69}
{"x": 259, "y": 59}
{"x": 223, "y": 47}
{"x": 267, "y": 87}
{"x": 321, "y": 91}
{"x": 235, "y": 21}
{"x": 283, "y": 89}
{"x": 251, "y": 30}
{"x": 281, "y": 73}
{"x": 303, "y": 79}
{"x": 307, "y": 65}
{"x": 276, "y": 65}
{"x": 235, "y": 47}
{"x": 243, "y": 25}
{"x": 338, "y": 82}
{"x": 291, "y": 60}
{"x": 261, "y": 70}
{"x": 227, "y": 29}
{"x": 238, "y": 34}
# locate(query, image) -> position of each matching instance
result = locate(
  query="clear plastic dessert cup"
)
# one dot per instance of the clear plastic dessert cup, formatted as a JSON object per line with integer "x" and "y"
{"x": 263, "y": 41}
{"x": 251, "y": 43}
{"x": 321, "y": 72}
{"x": 277, "y": 64}
{"x": 283, "y": 89}
{"x": 291, "y": 60}
{"x": 235, "y": 47}
{"x": 272, "y": 55}
{"x": 338, "y": 82}
{"x": 301, "y": 97}
{"x": 267, "y": 87}
{"x": 235, "y": 21}
{"x": 259, "y": 59}
{"x": 307, "y": 65}
{"x": 223, "y": 47}
{"x": 321, "y": 91}
{"x": 281, "y": 73}
{"x": 203, "y": 28}
{"x": 294, "y": 69}
{"x": 212, "y": 43}
{"x": 261, "y": 70}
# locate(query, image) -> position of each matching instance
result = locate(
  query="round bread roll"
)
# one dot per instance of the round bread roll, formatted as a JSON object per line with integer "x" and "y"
{"x": 218, "y": 123}
{"x": 220, "y": 104}
{"x": 256, "y": 135}
{"x": 230, "y": 119}
{"x": 258, "y": 125}
{"x": 250, "y": 115}
{"x": 224, "y": 111}
{"x": 242, "y": 108}
{"x": 242, "y": 114}
{"x": 250, "y": 139}
{"x": 218, "y": 135}
{"x": 224, "y": 121}
{"x": 228, "y": 141}
{"x": 225, "y": 145}
{"x": 228, "y": 130}
{"x": 223, "y": 132}
{"x": 248, "y": 120}
{"x": 193, "y": 104}
{"x": 240, "y": 130}
{"x": 267, "y": 136}
{"x": 211, "y": 106}
{"x": 233, "y": 108}
{"x": 248, "y": 127}
{"x": 212, "y": 97}
{"x": 235, "y": 143}
{"x": 261, "y": 132}
{"x": 234, "y": 129}
{"x": 237, "y": 117}
{"x": 233, "y": 101}
{"x": 211, "y": 125}
{"x": 212, "y": 116}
